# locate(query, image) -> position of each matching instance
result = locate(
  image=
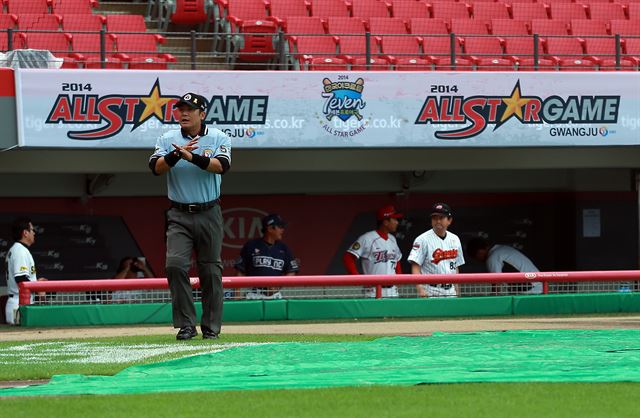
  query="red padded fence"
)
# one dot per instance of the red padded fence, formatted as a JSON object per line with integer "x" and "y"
{"x": 27, "y": 288}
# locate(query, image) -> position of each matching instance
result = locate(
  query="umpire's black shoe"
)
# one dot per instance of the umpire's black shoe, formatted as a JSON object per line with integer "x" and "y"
{"x": 208, "y": 334}
{"x": 186, "y": 333}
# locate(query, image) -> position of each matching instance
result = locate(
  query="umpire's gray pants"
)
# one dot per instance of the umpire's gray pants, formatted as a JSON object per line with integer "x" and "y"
{"x": 201, "y": 232}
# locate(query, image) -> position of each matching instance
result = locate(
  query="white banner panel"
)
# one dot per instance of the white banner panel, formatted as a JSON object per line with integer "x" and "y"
{"x": 277, "y": 109}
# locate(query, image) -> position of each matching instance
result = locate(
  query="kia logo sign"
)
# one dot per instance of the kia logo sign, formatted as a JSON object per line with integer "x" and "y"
{"x": 530, "y": 275}
{"x": 241, "y": 225}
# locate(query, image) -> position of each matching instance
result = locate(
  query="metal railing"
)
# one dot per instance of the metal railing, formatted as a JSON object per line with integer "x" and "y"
{"x": 281, "y": 51}
{"x": 338, "y": 286}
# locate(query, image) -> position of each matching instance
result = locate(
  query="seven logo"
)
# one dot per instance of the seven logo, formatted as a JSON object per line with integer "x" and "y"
{"x": 344, "y": 99}
{"x": 241, "y": 225}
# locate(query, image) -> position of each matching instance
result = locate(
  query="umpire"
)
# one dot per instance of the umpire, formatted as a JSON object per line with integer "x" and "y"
{"x": 194, "y": 158}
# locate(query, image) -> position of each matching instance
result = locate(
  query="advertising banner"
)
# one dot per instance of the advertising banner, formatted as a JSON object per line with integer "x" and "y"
{"x": 280, "y": 109}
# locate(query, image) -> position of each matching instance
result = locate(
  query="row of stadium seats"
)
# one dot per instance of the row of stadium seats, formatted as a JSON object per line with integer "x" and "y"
{"x": 485, "y": 52}
{"x": 82, "y": 50}
{"x": 424, "y": 26}
{"x": 279, "y": 10}
{"x": 47, "y": 6}
{"x": 74, "y": 22}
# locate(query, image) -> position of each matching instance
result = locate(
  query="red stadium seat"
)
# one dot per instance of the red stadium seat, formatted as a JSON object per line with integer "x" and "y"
{"x": 625, "y": 27}
{"x": 508, "y": 27}
{"x": 604, "y": 50}
{"x": 544, "y": 27}
{"x": 632, "y": 49}
{"x": 327, "y": 64}
{"x": 337, "y": 25}
{"x": 529, "y": 11}
{"x": 577, "y": 64}
{"x": 449, "y": 10}
{"x": 521, "y": 49}
{"x": 369, "y": 8}
{"x": 634, "y": 11}
{"x": 306, "y": 48}
{"x": 583, "y": 27}
{"x": 189, "y": 12}
{"x": 74, "y": 22}
{"x": 397, "y": 47}
{"x": 55, "y": 42}
{"x": 606, "y": 11}
{"x": 86, "y": 48}
{"x": 488, "y": 11}
{"x": 462, "y": 27}
{"x": 375, "y": 64}
{"x": 18, "y": 41}
{"x": 487, "y": 54}
{"x": 412, "y": 64}
{"x": 409, "y": 9}
{"x": 62, "y": 7}
{"x": 7, "y": 21}
{"x": 298, "y": 25}
{"x": 423, "y": 26}
{"x": 27, "y": 6}
{"x": 140, "y": 52}
{"x": 351, "y": 33}
{"x": 566, "y": 51}
{"x": 281, "y": 10}
{"x": 389, "y": 25}
{"x": 326, "y": 8}
{"x": 30, "y": 21}
{"x": 588, "y": 2}
{"x": 438, "y": 51}
{"x": 567, "y": 11}
{"x": 252, "y": 32}
{"x": 125, "y": 23}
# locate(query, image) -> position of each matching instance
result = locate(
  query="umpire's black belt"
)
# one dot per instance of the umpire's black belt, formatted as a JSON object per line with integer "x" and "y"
{"x": 194, "y": 207}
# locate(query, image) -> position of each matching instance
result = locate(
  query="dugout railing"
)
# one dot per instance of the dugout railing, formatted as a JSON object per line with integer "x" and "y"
{"x": 337, "y": 286}
{"x": 279, "y": 51}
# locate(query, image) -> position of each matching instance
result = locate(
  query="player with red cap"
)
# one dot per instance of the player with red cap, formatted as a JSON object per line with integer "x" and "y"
{"x": 378, "y": 251}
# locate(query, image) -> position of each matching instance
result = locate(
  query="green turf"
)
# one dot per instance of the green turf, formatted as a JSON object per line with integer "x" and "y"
{"x": 556, "y": 400}
{"x": 20, "y": 368}
{"x": 492, "y": 400}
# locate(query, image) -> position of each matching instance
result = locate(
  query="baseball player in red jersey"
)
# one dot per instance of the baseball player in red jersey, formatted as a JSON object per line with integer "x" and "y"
{"x": 437, "y": 251}
{"x": 378, "y": 251}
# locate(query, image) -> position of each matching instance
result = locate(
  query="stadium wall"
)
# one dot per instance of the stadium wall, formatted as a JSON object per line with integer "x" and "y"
{"x": 337, "y": 309}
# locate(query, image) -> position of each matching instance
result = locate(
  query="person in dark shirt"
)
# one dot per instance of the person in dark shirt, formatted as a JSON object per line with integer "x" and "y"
{"x": 267, "y": 256}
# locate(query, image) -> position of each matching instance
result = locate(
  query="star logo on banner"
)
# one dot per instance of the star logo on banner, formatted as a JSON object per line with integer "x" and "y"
{"x": 514, "y": 106}
{"x": 154, "y": 105}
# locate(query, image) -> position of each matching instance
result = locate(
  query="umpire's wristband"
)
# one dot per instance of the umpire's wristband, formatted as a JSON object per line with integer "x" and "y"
{"x": 172, "y": 158}
{"x": 200, "y": 161}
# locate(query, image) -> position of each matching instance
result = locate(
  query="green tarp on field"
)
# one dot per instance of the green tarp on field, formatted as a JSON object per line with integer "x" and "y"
{"x": 510, "y": 356}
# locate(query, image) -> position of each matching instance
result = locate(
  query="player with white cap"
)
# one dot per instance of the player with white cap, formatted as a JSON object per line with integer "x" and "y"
{"x": 437, "y": 251}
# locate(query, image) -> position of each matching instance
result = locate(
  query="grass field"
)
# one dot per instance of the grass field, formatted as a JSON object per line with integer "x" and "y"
{"x": 38, "y": 360}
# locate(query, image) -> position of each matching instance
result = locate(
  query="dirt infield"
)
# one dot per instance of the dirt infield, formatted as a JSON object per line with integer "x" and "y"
{"x": 413, "y": 327}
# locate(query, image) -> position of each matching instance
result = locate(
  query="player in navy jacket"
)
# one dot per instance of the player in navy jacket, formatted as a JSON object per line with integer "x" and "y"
{"x": 267, "y": 256}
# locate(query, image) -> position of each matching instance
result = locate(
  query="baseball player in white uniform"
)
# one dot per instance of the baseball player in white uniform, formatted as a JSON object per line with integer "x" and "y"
{"x": 378, "y": 251}
{"x": 497, "y": 256}
{"x": 437, "y": 251}
{"x": 20, "y": 266}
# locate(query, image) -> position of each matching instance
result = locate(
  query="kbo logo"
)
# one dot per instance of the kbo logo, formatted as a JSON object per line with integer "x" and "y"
{"x": 241, "y": 225}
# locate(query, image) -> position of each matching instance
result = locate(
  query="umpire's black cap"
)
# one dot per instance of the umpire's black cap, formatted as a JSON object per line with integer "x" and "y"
{"x": 194, "y": 100}
{"x": 441, "y": 209}
{"x": 273, "y": 220}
